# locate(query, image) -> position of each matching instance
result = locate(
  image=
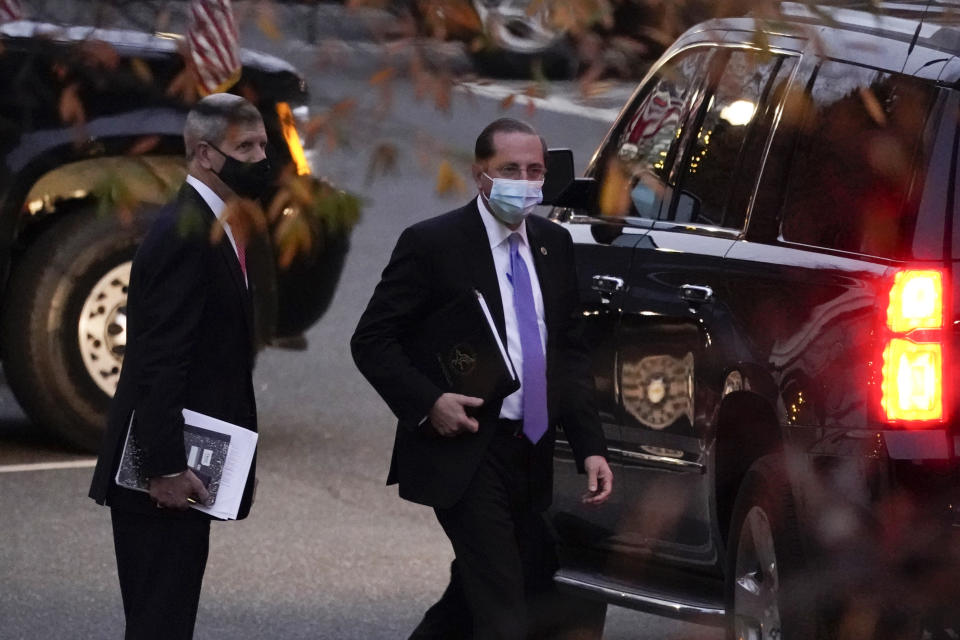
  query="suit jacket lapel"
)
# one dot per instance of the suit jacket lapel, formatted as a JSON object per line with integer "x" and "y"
{"x": 225, "y": 249}
{"x": 233, "y": 264}
{"x": 477, "y": 253}
{"x": 537, "y": 249}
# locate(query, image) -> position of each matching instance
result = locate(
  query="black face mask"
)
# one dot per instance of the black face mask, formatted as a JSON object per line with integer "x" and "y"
{"x": 246, "y": 179}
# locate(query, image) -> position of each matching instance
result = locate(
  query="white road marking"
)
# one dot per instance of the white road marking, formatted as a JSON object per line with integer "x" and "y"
{"x": 84, "y": 463}
{"x": 555, "y": 103}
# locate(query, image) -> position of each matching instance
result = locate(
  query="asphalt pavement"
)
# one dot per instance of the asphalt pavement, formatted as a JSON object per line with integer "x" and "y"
{"x": 329, "y": 552}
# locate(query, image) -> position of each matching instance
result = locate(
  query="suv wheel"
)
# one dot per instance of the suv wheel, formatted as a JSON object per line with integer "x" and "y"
{"x": 764, "y": 556}
{"x": 64, "y": 326}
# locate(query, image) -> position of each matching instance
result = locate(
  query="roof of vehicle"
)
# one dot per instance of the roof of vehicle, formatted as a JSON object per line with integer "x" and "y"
{"x": 936, "y": 26}
{"x": 900, "y": 37}
{"x": 130, "y": 41}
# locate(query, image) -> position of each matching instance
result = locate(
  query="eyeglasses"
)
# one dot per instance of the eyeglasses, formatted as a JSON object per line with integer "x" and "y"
{"x": 515, "y": 172}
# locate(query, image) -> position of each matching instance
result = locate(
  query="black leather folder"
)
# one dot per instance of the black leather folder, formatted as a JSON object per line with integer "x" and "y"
{"x": 465, "y": 352}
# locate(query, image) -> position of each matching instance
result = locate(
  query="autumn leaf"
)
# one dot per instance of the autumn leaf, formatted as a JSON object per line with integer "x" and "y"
{"x": 143, "y": 145}
{"x": 326, "y": 209}
{"x": 536, "y": 90}
{"x": 383, "y": 76}
{"x": 246, "y": 219}
{"x": 98, "y": 53}
{"x": 873, "y": 106}
{"x": 291, "y": 238}
{"x": 115, "y": 197}
{"x": 594, "y": 88}
{"x": 448, "y": 180}
{"x": 344, "y": 107}
{"x": 184, "y": 86}
{"x": 615, "y": 190}
{"x": 443, "y": 93}
{"x": 162, "y": 23}
{"x": 383, "y": 161}
{"x": 459, "y": 17}
{"x": 328, "y": 124}
{"x": 316, "y": 127}
{"x": 216, "y": 232}
{"x": 141, "y": 70}
{"x": 71, "y": 107}
{"x": 267, "y": 23}
{"x": 507, "y": 102}
{"x": 353, "y": 5}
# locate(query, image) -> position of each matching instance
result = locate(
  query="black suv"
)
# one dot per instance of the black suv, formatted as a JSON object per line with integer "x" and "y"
{"x": 768, "y": 242}
{"x": 90, "y": 136}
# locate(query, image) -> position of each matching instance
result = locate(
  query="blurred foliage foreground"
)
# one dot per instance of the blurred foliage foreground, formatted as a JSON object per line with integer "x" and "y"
{"x": 605, "y": 38}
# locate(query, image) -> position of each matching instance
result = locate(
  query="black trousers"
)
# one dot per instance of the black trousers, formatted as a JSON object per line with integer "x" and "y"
{"x": 160, "y": 562}
{"x": 504, "y": 557}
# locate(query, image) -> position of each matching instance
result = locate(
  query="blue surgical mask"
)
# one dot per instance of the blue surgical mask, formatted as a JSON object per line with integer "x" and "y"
{"x": 511, "y": 201}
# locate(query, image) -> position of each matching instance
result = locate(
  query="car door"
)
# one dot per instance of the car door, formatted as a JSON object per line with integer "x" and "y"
{"x": 675, "y": 329}
{"x": 646, "y": 133}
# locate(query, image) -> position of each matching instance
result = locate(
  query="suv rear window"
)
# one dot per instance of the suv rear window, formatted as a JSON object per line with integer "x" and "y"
{"x": 859, "y": 178}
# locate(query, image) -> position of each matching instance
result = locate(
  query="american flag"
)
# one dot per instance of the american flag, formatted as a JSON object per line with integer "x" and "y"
{"x": 213, "y": 41}
{"x": 10, "y": 10}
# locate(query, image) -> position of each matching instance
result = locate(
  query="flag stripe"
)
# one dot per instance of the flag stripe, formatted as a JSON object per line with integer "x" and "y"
{"x": 222, "y": 37}
{"x": 216, "y": 39}
{"x": 213, "y": 44}
{"x": 10, "y": 10}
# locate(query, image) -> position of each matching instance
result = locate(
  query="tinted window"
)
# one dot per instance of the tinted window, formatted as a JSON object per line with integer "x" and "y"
{"x": 634, "y": 166}
{"x": 732, "y": 127}
{"x": 857, "y": 174}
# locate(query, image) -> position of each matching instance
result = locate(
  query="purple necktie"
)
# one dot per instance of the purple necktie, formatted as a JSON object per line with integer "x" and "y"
{"x": 534, "y": 375}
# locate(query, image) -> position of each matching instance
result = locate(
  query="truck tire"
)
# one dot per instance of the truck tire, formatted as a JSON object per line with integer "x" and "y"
{"x": 560, "y": 62}
{"x": 73, "y": 277}
{"x": 766, "y": 596}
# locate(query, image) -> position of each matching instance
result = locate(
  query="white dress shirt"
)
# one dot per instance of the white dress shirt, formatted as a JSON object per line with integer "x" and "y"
{"x": 217, "y": 205}
{"x": 498, "y": 234}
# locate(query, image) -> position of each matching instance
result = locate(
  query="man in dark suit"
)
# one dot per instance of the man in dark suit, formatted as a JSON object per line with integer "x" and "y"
{"x": 190, "y": 345}
{"x": 487, "y": 469}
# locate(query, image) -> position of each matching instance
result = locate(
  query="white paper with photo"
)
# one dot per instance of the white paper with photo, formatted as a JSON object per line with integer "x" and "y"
{"x": 236, "y": 467}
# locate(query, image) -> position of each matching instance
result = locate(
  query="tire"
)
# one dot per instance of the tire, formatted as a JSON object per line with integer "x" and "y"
{"x": 77, "y": 268}
{"x": 558, "y": 63}
{"x": 765, "y": 595}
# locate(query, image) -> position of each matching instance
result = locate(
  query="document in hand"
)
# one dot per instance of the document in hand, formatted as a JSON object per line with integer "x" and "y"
{"x": 466, "y": 349}
{"x": 219, "y": 453}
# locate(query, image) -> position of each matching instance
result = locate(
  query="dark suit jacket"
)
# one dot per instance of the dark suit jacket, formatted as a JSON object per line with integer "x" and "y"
{"x": 190, "y": 345}
{"x": 432, "y": 261}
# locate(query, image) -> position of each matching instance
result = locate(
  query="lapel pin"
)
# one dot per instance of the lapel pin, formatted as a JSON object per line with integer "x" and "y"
{"x": 543, "y": 250}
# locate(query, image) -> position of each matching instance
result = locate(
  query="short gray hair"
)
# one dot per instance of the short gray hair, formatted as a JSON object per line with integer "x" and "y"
{"x": 209, "y": 119}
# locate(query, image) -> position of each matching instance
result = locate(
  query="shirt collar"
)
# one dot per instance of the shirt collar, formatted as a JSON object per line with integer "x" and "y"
{"x": 215, "y": 202}
{"x": 497, "y": 232}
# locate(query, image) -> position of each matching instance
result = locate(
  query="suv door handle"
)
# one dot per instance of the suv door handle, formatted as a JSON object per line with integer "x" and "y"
{"x": 606, "y": 284}
{"x": 696, "y": 293}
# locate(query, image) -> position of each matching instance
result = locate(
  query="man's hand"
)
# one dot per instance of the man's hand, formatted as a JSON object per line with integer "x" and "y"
{"x": 177, "y": 491}
{"x": 449, "y": 417}
{"x": 599, "y": 480}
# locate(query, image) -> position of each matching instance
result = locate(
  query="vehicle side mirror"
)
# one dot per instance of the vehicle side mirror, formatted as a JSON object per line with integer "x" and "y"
{"x": 688, "y": 207}
{"x": 560, "y": 173}
{"x": 562, "y": 189}
{"x": 580, "y": 194}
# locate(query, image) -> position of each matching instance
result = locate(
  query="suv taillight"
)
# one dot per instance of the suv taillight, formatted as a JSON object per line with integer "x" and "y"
{"x": 912, "y": 389}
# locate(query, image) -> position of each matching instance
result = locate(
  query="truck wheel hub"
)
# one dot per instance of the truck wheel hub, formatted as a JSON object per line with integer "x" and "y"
{"x": 102, "y": 329}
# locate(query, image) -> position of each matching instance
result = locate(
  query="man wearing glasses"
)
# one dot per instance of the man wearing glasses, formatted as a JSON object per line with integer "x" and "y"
{"x": 487, "y": 468}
